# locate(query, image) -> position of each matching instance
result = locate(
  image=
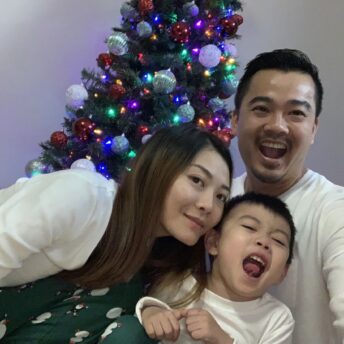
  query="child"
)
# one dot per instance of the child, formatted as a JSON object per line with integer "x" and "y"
{"x": 251, "y": 250}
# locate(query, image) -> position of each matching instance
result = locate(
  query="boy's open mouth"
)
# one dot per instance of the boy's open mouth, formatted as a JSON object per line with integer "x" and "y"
{"x": 254, "y": 266}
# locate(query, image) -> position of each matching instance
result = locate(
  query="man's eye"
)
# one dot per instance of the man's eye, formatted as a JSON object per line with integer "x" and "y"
{"x": 260, "y": 109}
{"x": 298, "y": 113}
{"x": 249, "y": 228}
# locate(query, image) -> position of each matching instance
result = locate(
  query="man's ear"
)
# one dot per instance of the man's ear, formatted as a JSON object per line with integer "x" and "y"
{"x": 211, "y": 242}
{"x": 315, "y": 128}
{"x": 234, "y": 122}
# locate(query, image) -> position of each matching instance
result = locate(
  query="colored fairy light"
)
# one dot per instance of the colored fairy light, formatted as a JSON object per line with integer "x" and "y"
{"x": 131, "y": 154}
{"x": 188, "y": 67}
{"x": 119, "y": 82}
{"x": 154, "y": 37}
{"x": 176, "y": 119}
{"x": 101, "y": 167}
{"x": 229, "y": 12}
{"x": 104, "y": 77}
{"x": 210, "y": 123}
{"x": 111, "y": 113}
{"x": 107, "y": 142}
{"x": 148, "y": 77}
{"x": 216, "y": 119}
{"x": 199, "y": 24}
{"x": 184, "y": 53}
{"x": 123, "y": 110}
{"x": 157, "y": 19}
{"x": 96, "y": 95}
{"x": 195, "y": 51}
{"x": 98, "y": 131}
{"x": 133, "y": 105}
{"x": 201, "y": 122}
{"x": 207, "y": 73}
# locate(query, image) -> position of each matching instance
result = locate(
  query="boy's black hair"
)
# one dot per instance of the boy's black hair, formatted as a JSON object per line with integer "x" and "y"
{"x": 273, "y": 204}
{"x": 287, "y": 60}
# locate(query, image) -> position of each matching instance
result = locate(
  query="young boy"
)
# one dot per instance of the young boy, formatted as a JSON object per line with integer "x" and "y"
{"x": 251, "y": 250}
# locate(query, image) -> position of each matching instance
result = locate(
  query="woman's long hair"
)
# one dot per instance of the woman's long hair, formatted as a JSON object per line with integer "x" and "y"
{"x": 136, "y": 216}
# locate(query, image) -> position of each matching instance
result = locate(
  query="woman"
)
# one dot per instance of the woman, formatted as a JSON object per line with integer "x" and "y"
{"x": 87, "y": 248}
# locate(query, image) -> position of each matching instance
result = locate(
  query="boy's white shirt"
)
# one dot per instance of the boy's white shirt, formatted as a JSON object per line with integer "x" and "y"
{"x": 262, "y": 321}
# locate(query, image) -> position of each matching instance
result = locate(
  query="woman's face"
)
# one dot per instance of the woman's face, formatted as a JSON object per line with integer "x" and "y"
{"x": 195, "y": 201}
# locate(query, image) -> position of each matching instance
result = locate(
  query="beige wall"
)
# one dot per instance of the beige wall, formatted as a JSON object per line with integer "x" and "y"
{"x": 46, "y": 43}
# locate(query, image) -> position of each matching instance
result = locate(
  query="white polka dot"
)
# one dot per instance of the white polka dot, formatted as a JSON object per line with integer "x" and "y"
{"x": 77, "y": 292}
{"x": 99, "y": 292}
{"x": 114, "y": 313}
{"x": 41, "y": 318}
{"x": 3, "y": 329}
{"x": 76, "y": 340}
{"x": 109, "y": 329}
{"x": 82, "y": 334}
{"x": 80, "y": 306}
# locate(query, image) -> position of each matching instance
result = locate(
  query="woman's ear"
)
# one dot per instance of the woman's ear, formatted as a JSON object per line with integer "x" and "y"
{"x": 211, "y": 241}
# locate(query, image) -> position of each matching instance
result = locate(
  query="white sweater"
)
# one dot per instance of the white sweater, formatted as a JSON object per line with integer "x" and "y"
{"x": 262, "y": 321}
{"x": 52, "y": 222}
{"x": 314, "y": 286}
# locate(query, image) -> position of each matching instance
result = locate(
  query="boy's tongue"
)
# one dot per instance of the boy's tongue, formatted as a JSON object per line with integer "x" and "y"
{"x": 252, "y": 267}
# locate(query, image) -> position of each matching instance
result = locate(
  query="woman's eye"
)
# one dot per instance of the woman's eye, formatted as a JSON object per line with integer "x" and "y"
{"x": 197, "y": 180}
{"x": 223, "y": 198}
{"x": 249, "y": 228}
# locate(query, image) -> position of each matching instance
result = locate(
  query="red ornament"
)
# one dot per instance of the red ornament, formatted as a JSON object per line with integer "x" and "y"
{"x": 238, "y": 18}
{"x": 104, "y": 61}
{"x": 58, "y": 139}
{"x": 180, "y": 32}
{"x": 82, "y": 128}
{"x": 145, "y": 6}
{"x": 225, "y": 135}
{"x": 229, "y": 26}
{"x": 117, "y": 91}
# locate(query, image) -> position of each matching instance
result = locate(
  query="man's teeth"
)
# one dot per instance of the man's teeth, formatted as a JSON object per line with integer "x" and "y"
{"x": 258, "y": 259}
{"x": 274, "y": 145}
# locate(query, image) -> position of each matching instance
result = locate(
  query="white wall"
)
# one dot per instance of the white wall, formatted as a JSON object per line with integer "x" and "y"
{"x": 46, "y": 43}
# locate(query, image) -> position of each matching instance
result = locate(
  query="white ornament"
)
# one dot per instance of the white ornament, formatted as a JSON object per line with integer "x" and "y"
{"x": 83, "y": 164}
{"x": 3, "y": 329}
{"x": 114, "y": 313}
{"x": 99, "y": 292}
{"x": 231, "y": 49}
{"x": 76, "y": 96}
{"x": 209, "y": 56}
{"x": 145, "y": 138}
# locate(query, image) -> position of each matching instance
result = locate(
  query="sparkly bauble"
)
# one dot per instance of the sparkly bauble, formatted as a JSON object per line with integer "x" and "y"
{"x": 225, "y": 135}
{"x": 180, "y": 32}
{"x": 34, "y": 167}
{"x": 145, "y": 6}
{"x": 145, "y": 138}
{"x": 209, "y": 56}
{"x": 117, "y": 91}
{"x": 76, "y": 96}
{"x": 83, "y": 164}
{"x": 58, "y": 139}
{"x": 216, "y": 104}
{"x": 229, "y": 26}
{"x": 120, "y": 144}
{"x": 164, "y": 81}
{"x": 118, "y": 43}
{"x": 229, "y": 87}
{"x": 82, "y": 128}
{"x": 190, "y": 9}
{"x": 144, "y": 29}
{"x": 128, "y": 12}
{"x": 186, "y": 113}
{"x": 238, "y": 18}
{"x": 230, "y": 49}
{"x": 104, "y": 61}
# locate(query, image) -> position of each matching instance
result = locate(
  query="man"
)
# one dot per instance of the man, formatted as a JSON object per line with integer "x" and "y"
{"x": 276, "y": 118}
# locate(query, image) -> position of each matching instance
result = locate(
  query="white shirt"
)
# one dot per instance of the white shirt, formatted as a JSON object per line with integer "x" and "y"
{"x": 314, "y": 286}
{"x": 52, "y": 222}
{"x": 262, "y": 321}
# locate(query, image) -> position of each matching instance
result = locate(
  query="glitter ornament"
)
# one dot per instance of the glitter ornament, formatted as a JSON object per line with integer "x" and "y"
{"x": 117, "y": 91}
{"x": 190, "y": 9}
{"x": 58, "y": 139}
{"x": 186, "y": 113}
{"x": 145, "y": 6}
{"x": 237, "y": 18}
{"x": 164, "y": 81}
{"x": 145, "y": 138}
{"x": 118, "y": 43}
{"x": 216, "y": 104}
{"x": 230, "y": 49}
{"x": 229, "y": 26}
{"x": 180, "y": 32}
{"x": 83, "y": 164}
{"x": 209, "y": 56}
{"x": 225, "y": 135}
{"x": 144, "y": 29}
{"x": 128, "y": 12}
{"x": 104, "y": 61}
{"x": 82, "y": 128}
{"x": 76, "y": 96}
{"x": 120, "y": 144}
{"x": 229, "y": 87}
{"x": 34, "y": 167}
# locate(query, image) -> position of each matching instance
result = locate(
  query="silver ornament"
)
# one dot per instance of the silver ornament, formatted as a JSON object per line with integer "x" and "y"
{"x": 229, "y": 86}
{"x": 190, "y": 9}
{"x": 144, "y": 29}
{"x": 164, "y": 81}
{"x": 34, "y": 168}
{"x": 120, "y": 144}
{"x": 216, "y": 104}
{"x": 186, "y": 113}
{"x": 118, "y": 43}
{"x": 76, "y": 96}
{"x": 209, "y": 56}
{"x": 83, "y": 164}
{"x": 128, "y": 12}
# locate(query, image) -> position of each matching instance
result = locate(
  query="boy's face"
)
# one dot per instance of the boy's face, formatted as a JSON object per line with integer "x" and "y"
{"x": 250, "y": 253}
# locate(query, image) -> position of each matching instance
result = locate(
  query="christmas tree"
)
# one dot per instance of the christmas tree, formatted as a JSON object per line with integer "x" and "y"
{"x": 170, "y": 62}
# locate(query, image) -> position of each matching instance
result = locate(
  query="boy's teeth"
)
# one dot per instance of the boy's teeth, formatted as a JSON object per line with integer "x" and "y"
{"x": 274, "y": 145}
{"x": 258, "y": 259}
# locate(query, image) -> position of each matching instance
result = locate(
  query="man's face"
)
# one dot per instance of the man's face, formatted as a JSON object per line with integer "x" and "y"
{"x": 276, "y": 125}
